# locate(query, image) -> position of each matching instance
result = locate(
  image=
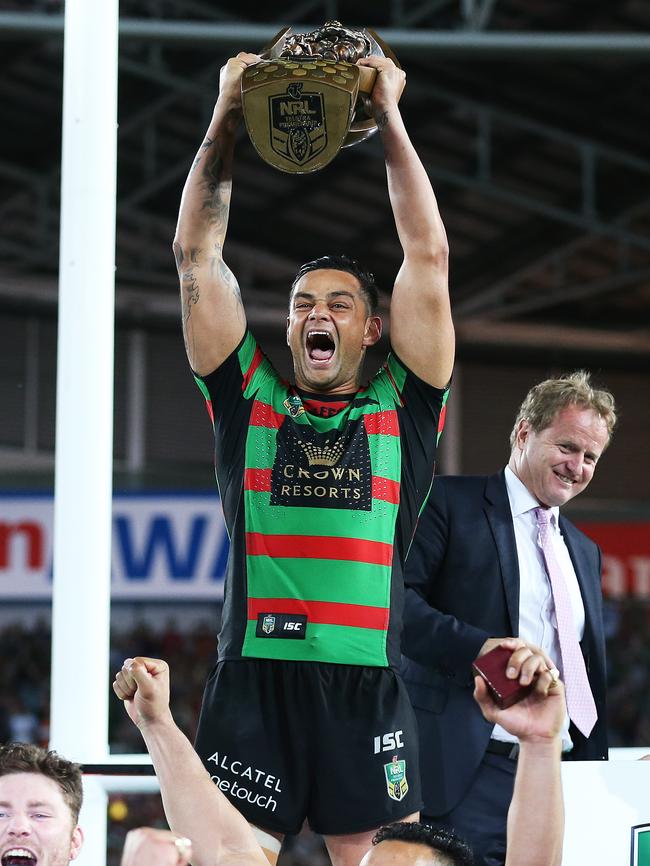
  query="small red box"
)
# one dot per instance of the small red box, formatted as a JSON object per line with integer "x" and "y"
{"x": 492, "y": 668}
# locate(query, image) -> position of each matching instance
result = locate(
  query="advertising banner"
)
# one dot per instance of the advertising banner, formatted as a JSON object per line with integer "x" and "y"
{"x": 626, "y": 556}
{"x": 164, "y": 546}
{"x": 175, "y": 545}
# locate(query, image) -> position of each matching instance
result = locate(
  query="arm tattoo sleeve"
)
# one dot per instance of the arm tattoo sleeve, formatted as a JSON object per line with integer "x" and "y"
{"x": 381, "y": 119}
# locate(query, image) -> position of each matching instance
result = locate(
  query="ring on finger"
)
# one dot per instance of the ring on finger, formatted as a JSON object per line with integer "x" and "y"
{"x": 183, "y": 846}
{"x": 555, "y": 677}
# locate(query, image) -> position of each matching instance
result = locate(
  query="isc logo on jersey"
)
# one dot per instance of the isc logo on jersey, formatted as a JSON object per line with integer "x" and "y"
{"x": 292, "y": 626}
{"x": 282, "y": 625}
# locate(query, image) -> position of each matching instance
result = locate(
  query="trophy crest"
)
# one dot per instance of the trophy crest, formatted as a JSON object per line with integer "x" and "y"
{"x": 307, "y": 99}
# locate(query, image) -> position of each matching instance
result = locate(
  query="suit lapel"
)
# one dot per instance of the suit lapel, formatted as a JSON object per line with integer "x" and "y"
{"x": 499, "y": 516}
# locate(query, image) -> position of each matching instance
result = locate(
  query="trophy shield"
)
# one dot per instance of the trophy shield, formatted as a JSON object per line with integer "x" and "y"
{"x": 307, "y": 98}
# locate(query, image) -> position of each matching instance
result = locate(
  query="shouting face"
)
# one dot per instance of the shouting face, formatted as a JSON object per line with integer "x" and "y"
{"x": 328, "y": 331}
{"x": 558, "y": 462}
{"x": 36, "y": 825}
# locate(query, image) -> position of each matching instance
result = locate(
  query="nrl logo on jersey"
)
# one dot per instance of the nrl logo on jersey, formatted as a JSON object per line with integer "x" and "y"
{"x": 293, "y": 405}
{"x": 268, "y": 624}
{"x": 396, "y": 779}
{"x": 640, "y": 855}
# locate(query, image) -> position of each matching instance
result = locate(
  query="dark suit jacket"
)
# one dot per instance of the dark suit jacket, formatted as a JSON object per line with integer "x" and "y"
{"x": 462, "y": 577}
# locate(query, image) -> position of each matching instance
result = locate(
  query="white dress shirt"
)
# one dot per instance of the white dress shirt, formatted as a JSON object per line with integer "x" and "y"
{"x": 537, "y": 623}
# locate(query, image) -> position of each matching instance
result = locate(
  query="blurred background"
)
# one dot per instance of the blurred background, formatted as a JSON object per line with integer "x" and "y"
{"x": 530, "y": 117}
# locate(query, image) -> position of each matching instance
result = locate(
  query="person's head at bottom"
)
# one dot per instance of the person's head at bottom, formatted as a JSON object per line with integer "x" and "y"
{"x": 416, "y": 844}
{"x": 40, "y": 799}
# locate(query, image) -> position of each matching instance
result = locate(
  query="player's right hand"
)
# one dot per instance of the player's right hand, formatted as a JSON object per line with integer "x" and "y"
{"x": 143, "y": 685}
{"x": 230, "y": 77}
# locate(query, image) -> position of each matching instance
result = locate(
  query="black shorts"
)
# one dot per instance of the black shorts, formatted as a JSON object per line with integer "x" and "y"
{"x": 336, "y": 744}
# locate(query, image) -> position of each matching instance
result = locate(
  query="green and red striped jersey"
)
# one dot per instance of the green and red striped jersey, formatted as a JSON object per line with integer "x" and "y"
{"x": 321, "y": 497}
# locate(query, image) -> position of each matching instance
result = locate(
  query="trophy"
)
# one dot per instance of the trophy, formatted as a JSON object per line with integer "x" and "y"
{"x": 307, "y": 99}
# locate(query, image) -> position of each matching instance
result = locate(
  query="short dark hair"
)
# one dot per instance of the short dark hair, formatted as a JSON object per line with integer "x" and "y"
{"x": 351, "y": 266}
{"x": 27, "y": 758}
{"x": 456, "y": 852}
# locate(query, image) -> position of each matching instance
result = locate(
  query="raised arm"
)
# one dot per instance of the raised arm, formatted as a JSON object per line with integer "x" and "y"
{"x": 213, "y": 315}
{"x": 536, "y": 814}
{"x": 194, "y": 805}
{"x": 421, "y": 328}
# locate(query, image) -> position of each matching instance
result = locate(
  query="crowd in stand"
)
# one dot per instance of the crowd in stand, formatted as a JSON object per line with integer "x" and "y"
{"x": 24, "y": 698}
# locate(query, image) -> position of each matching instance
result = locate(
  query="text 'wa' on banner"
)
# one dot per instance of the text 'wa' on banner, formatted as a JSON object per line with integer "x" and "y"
{"x": 164, "y": 546}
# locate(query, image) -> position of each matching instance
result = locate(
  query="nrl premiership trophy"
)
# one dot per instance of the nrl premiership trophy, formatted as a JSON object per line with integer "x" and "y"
{"x": 307, "y": 99}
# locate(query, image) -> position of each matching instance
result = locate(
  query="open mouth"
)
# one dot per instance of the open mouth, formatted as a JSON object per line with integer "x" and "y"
{"x": 320, "y": 345}
{"x": 18, "y": 857}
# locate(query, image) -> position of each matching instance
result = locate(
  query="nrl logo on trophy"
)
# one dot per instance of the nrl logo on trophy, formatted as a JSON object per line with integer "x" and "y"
{"x": 307, "y": 99}
{"x": 297, "y": 124}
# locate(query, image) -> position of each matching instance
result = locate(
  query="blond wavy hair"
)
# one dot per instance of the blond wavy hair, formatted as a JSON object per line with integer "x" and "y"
{"x": 547, "y": 398}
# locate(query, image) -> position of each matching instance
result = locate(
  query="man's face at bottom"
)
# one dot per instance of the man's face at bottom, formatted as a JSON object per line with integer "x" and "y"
{"x": 36, "y": 826}
{"x": 398, "y": 852}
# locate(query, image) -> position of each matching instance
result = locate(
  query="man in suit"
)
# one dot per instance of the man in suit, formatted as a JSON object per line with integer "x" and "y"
{"x": 478, "y": 573}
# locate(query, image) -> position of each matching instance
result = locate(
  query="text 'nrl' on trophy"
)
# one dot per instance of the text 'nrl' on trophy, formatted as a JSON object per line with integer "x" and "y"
{"x": 307, "y": 98}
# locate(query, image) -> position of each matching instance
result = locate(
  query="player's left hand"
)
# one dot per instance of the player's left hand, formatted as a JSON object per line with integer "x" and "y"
{"x": 389, "y": 83}
{"x": 538, "y": 717}
{"x": 149, "y": 847}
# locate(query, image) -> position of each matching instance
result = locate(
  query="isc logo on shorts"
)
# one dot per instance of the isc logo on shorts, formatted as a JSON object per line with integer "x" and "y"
{"x": 388, "y": 742}
{"x": 287, "y": 626}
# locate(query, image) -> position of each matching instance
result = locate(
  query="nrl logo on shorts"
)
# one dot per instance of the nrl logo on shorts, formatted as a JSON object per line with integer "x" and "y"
{"x": 396, "y": 779}
{"x": 268, "y": 623}
{"x": 297, "y": 121}
{"x": 640, "y": 855}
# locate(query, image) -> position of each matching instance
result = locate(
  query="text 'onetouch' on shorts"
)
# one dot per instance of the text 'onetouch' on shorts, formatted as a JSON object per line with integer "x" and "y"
{"x": 336, "y": 744}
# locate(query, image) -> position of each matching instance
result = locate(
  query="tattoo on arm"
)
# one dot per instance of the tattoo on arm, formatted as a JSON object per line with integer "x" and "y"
{"x": 186, "y": 267}
{"x": 189, "y": 296}
{"x": 230, "y": 280}
{"x": 210, "y": 190}
{"x": 381, "y": 119}
{"x": 197, "y": 159}
{"x": 216, "y": 188}
{"x": 190, "y": 293}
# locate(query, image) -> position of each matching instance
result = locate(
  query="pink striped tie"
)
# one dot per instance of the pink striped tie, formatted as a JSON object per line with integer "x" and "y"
{"x": 579, "y": 699}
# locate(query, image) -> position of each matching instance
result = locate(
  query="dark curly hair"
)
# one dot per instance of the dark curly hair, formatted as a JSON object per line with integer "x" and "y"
{"x": 351, "y": 266}
{"x": 26, "y": 758}
{"x": 454, "y": 851}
